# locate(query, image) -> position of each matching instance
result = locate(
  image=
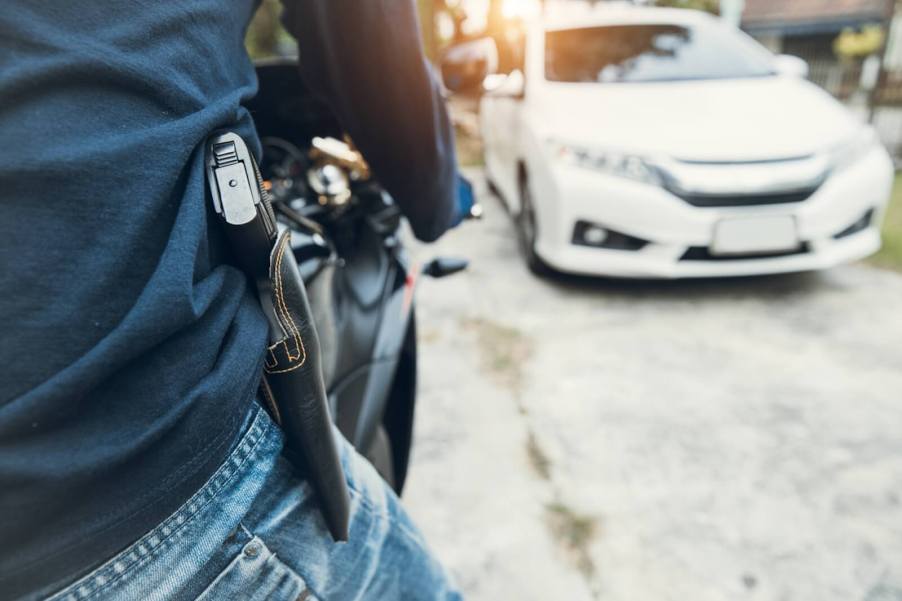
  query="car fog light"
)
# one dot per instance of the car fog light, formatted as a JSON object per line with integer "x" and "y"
{"x": 863, "y": 223}
{"x": 595, "y": 235}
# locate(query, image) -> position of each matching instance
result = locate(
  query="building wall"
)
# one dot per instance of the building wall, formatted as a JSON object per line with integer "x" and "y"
{"x": 771, "y": 41}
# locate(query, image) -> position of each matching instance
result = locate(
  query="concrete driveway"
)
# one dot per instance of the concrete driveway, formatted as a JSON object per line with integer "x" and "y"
{"x": 585, "y": 439}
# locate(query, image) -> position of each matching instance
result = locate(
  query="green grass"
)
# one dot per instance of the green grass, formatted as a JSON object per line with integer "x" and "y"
{"x": 890, "y": 256}
{"x": 537, "y": 457}
{"x": 574, "y": 532}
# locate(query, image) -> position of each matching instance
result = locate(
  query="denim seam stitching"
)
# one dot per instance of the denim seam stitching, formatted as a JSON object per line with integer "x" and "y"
{"x": 55, "y": 554}
{"x": 245, "y": 452}
{"x": 233, "y": 562}
{"x": 139, "y": 552}
{"x": 218, "y": 442}
{"x": 298, "y": 578}
{"x": 312, "y": 594}
{"x": 199, "y": 504}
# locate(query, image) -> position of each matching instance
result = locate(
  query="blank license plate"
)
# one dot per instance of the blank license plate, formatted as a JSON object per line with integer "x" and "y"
{"x": 755, "y": 235}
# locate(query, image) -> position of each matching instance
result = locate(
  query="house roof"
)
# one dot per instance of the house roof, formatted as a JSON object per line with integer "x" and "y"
{"x": 811, "y": 16}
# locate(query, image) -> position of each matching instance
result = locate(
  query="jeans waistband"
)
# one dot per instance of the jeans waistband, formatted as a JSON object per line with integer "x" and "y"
{"x": 191, "y": 534}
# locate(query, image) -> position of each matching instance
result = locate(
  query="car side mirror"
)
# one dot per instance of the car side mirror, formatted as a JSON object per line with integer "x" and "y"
{"x": 793, "y": 66}
{"x": 466, "y": 65}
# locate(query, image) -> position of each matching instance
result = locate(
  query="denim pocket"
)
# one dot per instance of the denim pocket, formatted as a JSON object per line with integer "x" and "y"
{"x": 256, "y": 573}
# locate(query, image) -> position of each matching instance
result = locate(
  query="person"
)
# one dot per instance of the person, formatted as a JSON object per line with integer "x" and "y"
{"x": 135, "y": 462}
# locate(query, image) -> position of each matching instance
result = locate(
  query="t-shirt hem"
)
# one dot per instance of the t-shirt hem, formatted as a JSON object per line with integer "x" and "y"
{"x": 109, "y": 539}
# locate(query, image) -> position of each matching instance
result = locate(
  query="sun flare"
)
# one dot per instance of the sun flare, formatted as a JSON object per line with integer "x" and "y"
{"x": 520, "y": 9}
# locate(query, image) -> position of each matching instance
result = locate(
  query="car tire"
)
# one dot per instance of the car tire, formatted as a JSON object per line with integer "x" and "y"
{"x": 494, "y": 190}
{"x": 492, "y": 186}
{"x": 527, "y": 228}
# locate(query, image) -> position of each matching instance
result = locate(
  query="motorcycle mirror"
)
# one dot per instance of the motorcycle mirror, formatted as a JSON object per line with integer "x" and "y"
{"x": 444, "y": 266}
{"x": 466, "y": 65}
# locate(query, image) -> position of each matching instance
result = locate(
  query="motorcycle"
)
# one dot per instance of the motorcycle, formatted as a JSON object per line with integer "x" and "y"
{"x": 345, "y": 232}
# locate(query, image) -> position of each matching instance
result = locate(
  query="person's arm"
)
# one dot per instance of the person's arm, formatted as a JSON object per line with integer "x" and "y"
{"x": 365, "y": 57}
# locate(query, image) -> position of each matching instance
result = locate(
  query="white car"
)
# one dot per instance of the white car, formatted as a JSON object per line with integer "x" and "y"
{"x": 663, "y": 143}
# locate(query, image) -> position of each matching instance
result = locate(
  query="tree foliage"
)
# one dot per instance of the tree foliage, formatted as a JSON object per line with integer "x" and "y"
{"x": 265, "y": 34}
{"x": 858, "y": 44}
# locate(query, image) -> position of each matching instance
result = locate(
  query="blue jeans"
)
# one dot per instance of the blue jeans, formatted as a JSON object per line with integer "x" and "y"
{"x": 254, "y": 532}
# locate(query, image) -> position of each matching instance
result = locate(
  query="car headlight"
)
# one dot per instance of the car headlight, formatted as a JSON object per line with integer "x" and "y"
{"x": 613, "y": 163}
{"x": 851, "y": 150}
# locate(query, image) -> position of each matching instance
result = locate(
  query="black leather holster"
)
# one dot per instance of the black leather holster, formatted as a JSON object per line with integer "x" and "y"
{"x": 293, "y": 386}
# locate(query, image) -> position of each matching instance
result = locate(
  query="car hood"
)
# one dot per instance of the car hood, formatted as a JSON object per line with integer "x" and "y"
{"x": 724, "y": 120}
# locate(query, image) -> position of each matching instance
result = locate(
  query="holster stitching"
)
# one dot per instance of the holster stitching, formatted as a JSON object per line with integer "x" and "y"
{"x": 285, "y": 318}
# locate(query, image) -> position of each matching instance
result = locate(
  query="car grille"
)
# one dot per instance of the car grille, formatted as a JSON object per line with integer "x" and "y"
{"x": 703, "y": 253}
{"x": 747, "y": 200}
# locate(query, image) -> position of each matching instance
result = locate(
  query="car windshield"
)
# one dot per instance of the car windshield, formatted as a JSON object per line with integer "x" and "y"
{"x": 651, "y": 52}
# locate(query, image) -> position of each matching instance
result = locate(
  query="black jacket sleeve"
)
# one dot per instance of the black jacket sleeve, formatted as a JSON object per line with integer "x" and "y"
{"x": 365, "y": 57}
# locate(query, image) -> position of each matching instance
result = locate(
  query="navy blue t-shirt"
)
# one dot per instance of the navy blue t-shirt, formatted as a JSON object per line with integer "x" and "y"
{"x": 130, "y": 350}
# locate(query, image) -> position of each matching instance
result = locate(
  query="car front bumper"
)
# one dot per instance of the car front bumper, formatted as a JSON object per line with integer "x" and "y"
{"x": 679, "y": 235}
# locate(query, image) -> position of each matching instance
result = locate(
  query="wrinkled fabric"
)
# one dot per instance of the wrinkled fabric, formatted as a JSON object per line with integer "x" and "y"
{"x": 254, "y": 532}
{"x": 131, "y": 350}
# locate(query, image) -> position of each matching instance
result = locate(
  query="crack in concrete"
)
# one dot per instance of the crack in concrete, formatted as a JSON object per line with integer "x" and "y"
{"x": 504, "y": 351}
